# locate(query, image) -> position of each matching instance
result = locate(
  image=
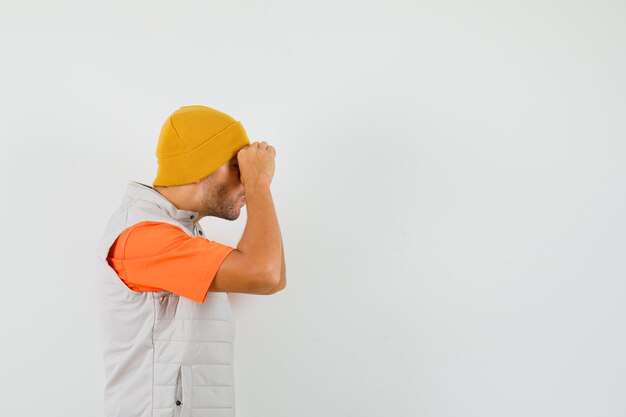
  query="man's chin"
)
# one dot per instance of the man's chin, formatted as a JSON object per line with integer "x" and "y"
{"x": 233, "y": 216}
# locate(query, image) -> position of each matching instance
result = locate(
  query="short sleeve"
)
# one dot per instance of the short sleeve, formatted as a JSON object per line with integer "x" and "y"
{"x": 155, "y": 256}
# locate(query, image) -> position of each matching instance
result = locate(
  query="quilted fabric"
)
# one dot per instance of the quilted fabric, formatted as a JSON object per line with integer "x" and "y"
{"x": 163, "y": 355}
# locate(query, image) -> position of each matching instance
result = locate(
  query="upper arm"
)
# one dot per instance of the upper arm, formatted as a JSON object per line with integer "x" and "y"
{"x": 153, "y": 256}
{"x": 238, "y": 273}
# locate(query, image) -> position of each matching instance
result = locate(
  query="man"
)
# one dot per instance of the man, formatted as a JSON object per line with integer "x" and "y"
{"x": 168, "y": 329}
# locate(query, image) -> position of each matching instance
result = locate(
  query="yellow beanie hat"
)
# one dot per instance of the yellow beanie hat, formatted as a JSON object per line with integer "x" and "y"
{"x": 194, "y": 142}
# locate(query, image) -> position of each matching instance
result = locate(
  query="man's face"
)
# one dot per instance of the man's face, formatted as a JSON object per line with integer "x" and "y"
{"x": 222, "y": 192}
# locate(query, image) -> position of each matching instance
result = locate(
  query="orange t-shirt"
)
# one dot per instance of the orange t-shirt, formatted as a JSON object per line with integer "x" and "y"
{"x": 155, "y": 256}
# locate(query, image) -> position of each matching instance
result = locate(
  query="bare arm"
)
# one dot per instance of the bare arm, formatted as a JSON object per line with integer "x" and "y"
{"x": 261, "y": 240}
{"x": 283, "y": 273}
{"x": 257, "y": 265}
{"x": 254, "y": 267}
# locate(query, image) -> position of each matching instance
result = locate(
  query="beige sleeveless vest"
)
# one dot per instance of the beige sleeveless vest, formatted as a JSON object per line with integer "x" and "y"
{"x": 164, "y": 355}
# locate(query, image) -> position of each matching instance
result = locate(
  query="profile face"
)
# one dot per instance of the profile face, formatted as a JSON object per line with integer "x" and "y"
{"x": 222, "y": 192}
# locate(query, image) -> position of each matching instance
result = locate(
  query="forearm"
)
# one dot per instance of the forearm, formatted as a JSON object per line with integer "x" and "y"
{"x": 261, "y": 239}
{"x": 283, "y": 273}
{"x": 283, "y": 267}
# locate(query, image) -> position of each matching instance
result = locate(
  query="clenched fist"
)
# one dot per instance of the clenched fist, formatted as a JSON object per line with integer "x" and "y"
{"x": 256, "y": 163}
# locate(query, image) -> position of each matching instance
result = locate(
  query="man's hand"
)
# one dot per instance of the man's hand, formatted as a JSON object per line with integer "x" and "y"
{"x": 256, "y": 163}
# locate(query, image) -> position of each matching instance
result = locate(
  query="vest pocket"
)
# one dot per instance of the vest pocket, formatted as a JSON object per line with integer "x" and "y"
{"x": 183, "y": 392}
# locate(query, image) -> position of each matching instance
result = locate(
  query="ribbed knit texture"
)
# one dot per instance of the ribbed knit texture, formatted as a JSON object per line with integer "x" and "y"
{"x": 194, "y": 142}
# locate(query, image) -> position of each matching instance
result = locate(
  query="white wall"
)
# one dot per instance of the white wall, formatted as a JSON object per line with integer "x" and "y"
{"x": 449, "y": 184}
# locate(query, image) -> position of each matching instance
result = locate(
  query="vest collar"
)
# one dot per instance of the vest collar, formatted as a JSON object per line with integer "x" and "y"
{"x": 137, "y": 190}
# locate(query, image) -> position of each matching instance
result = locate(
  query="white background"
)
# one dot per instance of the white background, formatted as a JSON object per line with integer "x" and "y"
{"x": 449, "y": 185}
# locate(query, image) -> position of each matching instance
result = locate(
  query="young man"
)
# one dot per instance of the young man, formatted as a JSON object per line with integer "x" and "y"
{"x": 168, "y": 329}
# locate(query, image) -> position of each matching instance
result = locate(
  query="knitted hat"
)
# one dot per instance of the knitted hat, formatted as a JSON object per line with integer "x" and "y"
{"x": 194, "y": 142}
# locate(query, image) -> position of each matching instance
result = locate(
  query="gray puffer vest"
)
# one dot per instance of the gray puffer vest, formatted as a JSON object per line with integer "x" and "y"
{"x": 164, "y": 355}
